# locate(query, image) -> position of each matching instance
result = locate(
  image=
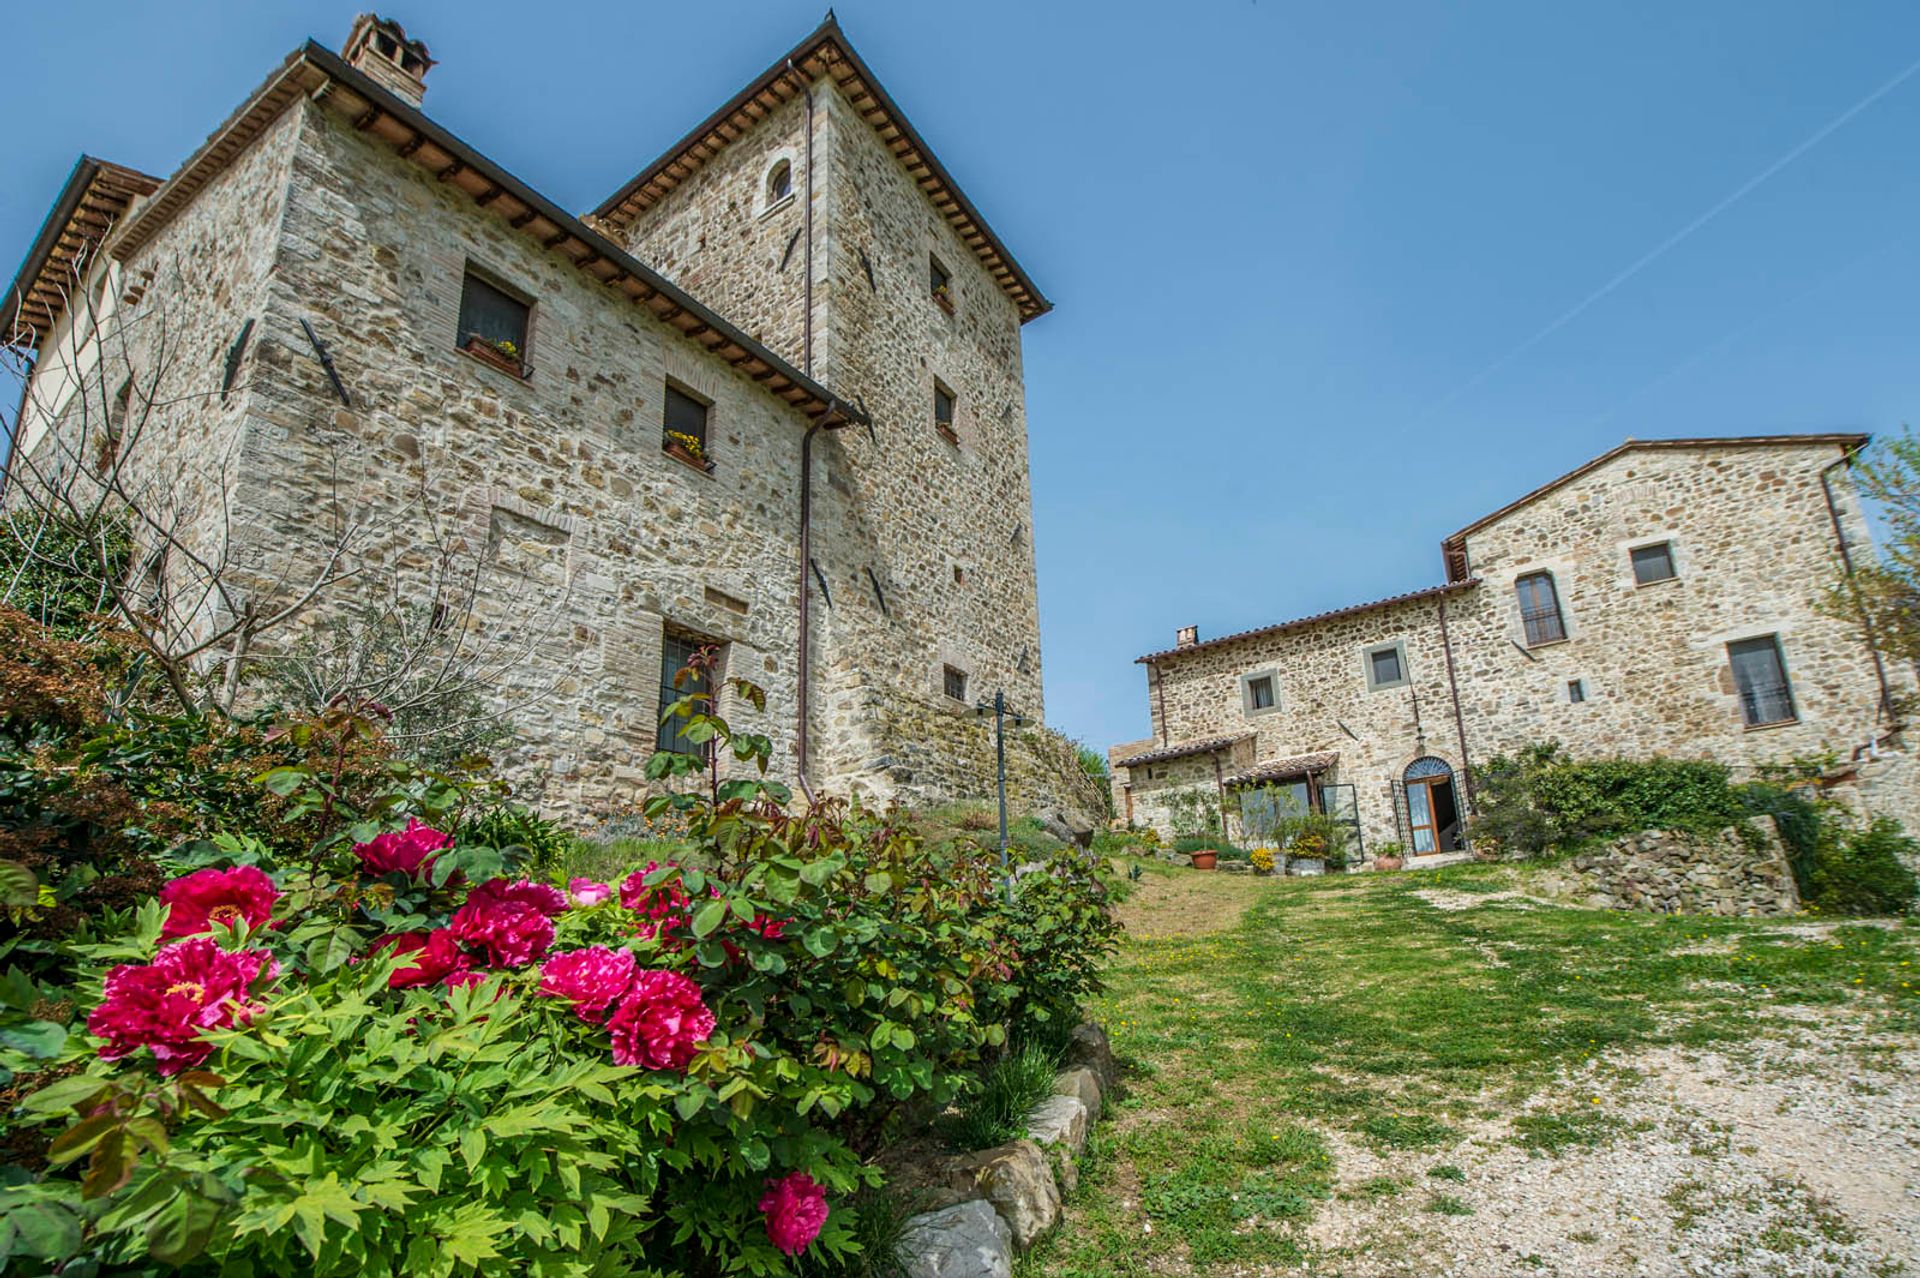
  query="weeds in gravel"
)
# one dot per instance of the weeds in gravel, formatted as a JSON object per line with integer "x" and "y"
{"x": 1447, "y": 1171}
{"x": 1448, "y": 1205}
{"x": 1554, "y": 1134}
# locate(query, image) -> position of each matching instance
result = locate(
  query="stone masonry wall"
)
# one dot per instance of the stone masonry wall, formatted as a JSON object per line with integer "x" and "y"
{"x": 928, "y": 553}
{"x": 1673, "y": 872}
{"x": 182, "y": 454}
{"x": 594, "y": 541}
{"x": 1754, "y": 552}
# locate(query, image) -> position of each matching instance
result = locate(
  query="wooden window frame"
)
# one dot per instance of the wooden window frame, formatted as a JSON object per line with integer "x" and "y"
{"x": 948, "y": 677}
{"x": 940, "y": 283}
{"x": 1540, "y": 627}
{"x": 945, "y": 427}
{"x": 699, "y": 457}
{"x": 483, "y": 349}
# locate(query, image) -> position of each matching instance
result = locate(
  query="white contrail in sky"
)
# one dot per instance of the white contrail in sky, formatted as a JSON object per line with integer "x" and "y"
{"x": 1664, "y": 246}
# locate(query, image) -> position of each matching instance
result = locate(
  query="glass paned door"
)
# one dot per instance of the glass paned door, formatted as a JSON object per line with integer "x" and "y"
{"x": 1420, "y": 816}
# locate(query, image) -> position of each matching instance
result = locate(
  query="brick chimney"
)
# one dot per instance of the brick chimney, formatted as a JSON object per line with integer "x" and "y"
{"x": 1186, "y": 636}
{"x": 379, "y": 47}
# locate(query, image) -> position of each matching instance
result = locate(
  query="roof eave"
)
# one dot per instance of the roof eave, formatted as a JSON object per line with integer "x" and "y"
{"x": 78, "y": 179}
{"x": 1848, "y": 442}
{"x": 1301, "y": 623}
{"x": 817, "y": 401}
{"x": 830, "y": 32}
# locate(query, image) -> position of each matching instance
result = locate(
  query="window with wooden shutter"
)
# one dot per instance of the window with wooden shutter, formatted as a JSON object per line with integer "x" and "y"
{"x": 1540, "y": 609}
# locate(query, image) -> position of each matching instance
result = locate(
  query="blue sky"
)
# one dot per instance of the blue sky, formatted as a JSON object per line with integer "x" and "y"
{"x": 1325, "y": 275}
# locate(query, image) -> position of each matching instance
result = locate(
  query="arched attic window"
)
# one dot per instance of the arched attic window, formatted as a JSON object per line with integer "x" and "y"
{"x": 779, "y": 182}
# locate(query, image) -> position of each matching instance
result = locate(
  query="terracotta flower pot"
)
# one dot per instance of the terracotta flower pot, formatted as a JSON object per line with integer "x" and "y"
{"x": 680, "y": 452}
{"x": 1388, "y": 862}
{"x": 488, "y": 353}
{"x": 1205, "y": 860}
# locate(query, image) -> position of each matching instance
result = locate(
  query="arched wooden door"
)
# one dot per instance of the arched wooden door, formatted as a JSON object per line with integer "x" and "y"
{"x": 1433, "y": 813}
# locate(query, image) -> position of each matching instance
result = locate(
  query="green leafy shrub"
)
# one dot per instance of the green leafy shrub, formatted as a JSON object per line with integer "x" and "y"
{"x": 543, "y": 845}
{"x": 1864, "y": 871}
{"x": 1539, "y": 801}
{"x": 428, "y": 1065}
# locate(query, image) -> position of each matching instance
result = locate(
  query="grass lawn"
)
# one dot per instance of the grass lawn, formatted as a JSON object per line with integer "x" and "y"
{"x": 1268, "y": 1023}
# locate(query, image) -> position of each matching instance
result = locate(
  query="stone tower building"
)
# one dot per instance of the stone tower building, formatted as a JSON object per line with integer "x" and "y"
{"x": 1663, "y": 599}
{"x": 767, "y": 397}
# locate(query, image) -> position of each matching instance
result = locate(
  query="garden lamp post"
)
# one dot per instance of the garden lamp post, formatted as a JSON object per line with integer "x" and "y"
{"x": 999, "y": 710}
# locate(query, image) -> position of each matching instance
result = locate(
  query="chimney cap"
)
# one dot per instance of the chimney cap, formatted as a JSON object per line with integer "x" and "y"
{"x": 1186, "y": 636}
{"x": 389, "y": 40}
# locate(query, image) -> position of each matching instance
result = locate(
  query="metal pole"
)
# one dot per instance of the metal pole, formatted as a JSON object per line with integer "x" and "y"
{"x": 1000, "y": 751}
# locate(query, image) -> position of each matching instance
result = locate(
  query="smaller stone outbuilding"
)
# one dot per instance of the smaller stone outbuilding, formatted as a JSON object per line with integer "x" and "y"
{"x": 1665, "y": 598}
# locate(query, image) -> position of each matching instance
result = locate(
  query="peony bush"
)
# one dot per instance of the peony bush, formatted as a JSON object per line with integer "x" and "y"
{"x": 394, "y": 1051}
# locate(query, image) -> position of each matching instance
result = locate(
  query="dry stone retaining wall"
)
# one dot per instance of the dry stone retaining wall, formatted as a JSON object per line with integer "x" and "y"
{"x": 1732, "y": 872}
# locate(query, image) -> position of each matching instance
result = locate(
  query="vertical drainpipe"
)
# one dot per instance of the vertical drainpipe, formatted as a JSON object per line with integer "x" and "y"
{"x": 1459, "y": 720}
{"x": 1160, "y": 695}
{"x": 1846, "y": 562}
{"x": 806, "y": 474}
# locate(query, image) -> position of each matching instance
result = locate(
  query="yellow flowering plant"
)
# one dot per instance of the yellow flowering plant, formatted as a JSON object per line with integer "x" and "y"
{"x": 689, "y": 442}
{"x": 1261, "y": 859}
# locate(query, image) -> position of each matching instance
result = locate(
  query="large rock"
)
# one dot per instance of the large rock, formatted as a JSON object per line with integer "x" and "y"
{"x": 1017, "y": 1180}
{"x": 1059, "y": 1122}
{"x": 1091, "y": 1049}
{"x": 1082, "y": 1084}
{"x": 966, "y": 1241}
{"x": 1059, "y": 1125}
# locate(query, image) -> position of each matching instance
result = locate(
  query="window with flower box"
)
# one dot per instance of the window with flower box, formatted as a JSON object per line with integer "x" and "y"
{"x": 493, "y": 324}
{"x": 684, "y": 427}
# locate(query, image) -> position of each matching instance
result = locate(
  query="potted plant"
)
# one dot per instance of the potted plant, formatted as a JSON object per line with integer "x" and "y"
{"x": 502, "y": 354}
{"x": 944, "y": 296}
{"x": 1305, "y": 855}
{"x": 1205, "y": 858}
{"x": 687, "y": 448}
{"x": 1262, "y": 860}
{"x": 1389, "y": 856}
{"x": 948, "y": 433}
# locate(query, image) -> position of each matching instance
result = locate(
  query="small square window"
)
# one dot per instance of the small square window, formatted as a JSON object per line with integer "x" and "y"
{"x": 1653, "y": 563}
{"x": 956, "y": 683}
{"x": 493, "y": 323}
{"x": 1386, "y": 666}
{"x": 1576, "y": 691}
{"x": 685, "y": 423}
{"x": 943, "y": 405}
{"x": 1260, "y": 692}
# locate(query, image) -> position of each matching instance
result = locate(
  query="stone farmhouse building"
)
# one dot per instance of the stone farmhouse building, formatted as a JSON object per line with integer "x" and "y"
{"x": 767, "y": 396}
{"x": 1661, "y": 599}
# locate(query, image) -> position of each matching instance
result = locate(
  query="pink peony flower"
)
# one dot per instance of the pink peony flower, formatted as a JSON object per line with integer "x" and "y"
{"x": 198, "y": 902}
{"x": 405, "y": 851}
{"x": 771, "y": 928}
{"x": 164, "y": 1005}
{"x": 436, "y": 956}
{"x": 795, "y": 1208}
{"x": 593, "y": 978}
{"x": 589, "y": 892}
{"x": 511, "y": 932}
{"x": 660, "y": 1023}
{"x": 663, "y": 907}
{"x": 550, "y": 901}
